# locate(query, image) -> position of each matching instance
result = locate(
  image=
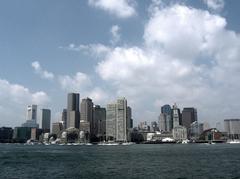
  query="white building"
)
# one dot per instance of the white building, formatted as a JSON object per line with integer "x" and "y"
{"x": 31, "y": 117}
{"x": 180, "y": 133}
{"x": 116, "y": 121}
{"x": 176, "y": 116}
{"x": 232, "y": 127}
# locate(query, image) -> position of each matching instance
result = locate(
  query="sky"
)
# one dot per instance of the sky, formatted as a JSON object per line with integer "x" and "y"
{"x": 153, "y": 52}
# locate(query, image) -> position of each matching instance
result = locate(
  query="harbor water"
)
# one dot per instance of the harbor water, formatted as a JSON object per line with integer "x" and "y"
{"x": 123, "y": 162}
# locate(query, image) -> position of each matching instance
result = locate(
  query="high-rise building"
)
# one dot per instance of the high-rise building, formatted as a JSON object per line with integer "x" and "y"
{"x": 166, "y": 109}
{"x": 46, "y": 120}
{"x": 162, "y": 122}
{"x": 87, "y": 110}
{"x": 154, "y": 126}
{"x": 116, "y": 121}
{"x": 129, "y": 117}
{"x": 99, "y": 122}
{"x": 165, "y": 121}
{"x": 189, "y": 115}
{"x": 57, "y": 127}
{"x": 143, "y": 126}
{"x": 73, "y": 114}
{"x": 232, "y": 127}
{"x": 176, "y": 116}
{"x": 64, "y": 118}
{"x": 87, "y": 116}
{"x": 121, "y": 127}
{"x": 111, "y": 117}
{"x": 31, "y": 117}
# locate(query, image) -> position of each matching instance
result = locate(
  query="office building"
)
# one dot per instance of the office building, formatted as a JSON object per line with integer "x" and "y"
{"x": 176, "y": 116}
{"x": 111, "y": 116}
{"x": 154, "y": 126}
{"x": 129, "y": 117}
{"x": 165, "y": 121}
{"x": 73, "y": 113}
{"x": 121, "y": 122}
{"x": 179, "y": 133}
{"x": 57, "y": 127}
{"x": 189, "y": 115}
{"x": 143, "y": 126}
{"x": 46, "y": 120}
{"x": 64, "y": 118}
{"x": 232, "y": 127}
{"x": 87, "y": 113}
{"x": 21, "y": 134}
{"x": 99, "y": 122}
{"x": 6, "y": 134}
{"x": 31, "y": 120}
{"x": 116, "y": 121}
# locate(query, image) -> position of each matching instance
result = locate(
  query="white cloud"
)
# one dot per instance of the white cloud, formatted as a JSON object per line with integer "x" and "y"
{"x": 77, "y": 83}
{"x": 82, "y": 83}
{"x": 98, "y": 95}
{"x": 43, "y": 73}
{"x": 14, "y": 99}
{"x": 216, "y": 5}
{"x": 188, "y": 57}
{"x": 95, "y": 50}
{"x": 119, "y": 8}
{"x": 115, "y": 32}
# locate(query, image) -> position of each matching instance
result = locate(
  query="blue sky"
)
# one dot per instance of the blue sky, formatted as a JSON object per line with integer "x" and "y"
{"x": 151, "y": 52}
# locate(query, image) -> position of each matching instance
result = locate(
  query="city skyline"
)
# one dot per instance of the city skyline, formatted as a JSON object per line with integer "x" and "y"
{"x": 49, "y": 49}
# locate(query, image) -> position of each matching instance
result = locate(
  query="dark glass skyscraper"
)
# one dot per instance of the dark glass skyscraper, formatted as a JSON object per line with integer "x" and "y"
{"x": 189, "y": 115}
{"x": 46, "y": 120}
{"x": 73, "y": 114}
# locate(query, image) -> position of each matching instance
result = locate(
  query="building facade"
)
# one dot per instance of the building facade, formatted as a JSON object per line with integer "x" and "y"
{"x": 87, "y": 114}
{"x": 31, "y": 117}
{"x": 64, "y": 118}
{"x": 179, "y": 133}
{"x": 111, "y": 117}
{"x": 73, "y": 113}
{"x": 189, "y": 115}
{"x": 232, "y": 127}
{"x": 46, "y": 120}
{"x": 117, "y": 121}
{"x": 176, "y": 116}
{"x": 99, "y": 122}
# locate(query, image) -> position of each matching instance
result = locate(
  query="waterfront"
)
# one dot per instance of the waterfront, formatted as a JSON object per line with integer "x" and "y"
{"x": 134, "y": 161}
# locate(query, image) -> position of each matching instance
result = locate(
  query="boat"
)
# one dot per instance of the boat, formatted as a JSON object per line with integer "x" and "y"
{"x": 128, "y": 143}
{"x": 234, "y": 142}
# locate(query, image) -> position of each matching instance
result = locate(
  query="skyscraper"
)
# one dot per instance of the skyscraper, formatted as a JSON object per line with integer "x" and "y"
{"x": 64, "y": 118}
{"x": 189, "y": 115}
{"x": 73, "y": 114}
{"x": 129, "y": 117}
{"x": 87, "y": 115}
{"x": 232, "y": 127}
{"x": 32, "y": 112}
{"x": 46, "y": 120}
{"x": 121, "y": 128}
{"x": 111, "y": 117}
{"x": 116, "y": 120}
{"x": 165, "y": 119}
{"x": 176, "y": 116}
{"x": 86, "y": 109}
{"x": 99, "y": 122}
{"x": 31, "y": 117}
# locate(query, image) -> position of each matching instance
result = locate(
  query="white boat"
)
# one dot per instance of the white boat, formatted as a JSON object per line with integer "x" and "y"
{"x": 234, "y": 142}
{"x": 127, "y": 143}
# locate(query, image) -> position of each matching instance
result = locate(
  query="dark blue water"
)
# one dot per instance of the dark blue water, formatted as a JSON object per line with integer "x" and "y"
{"x": 123, "y": 162}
